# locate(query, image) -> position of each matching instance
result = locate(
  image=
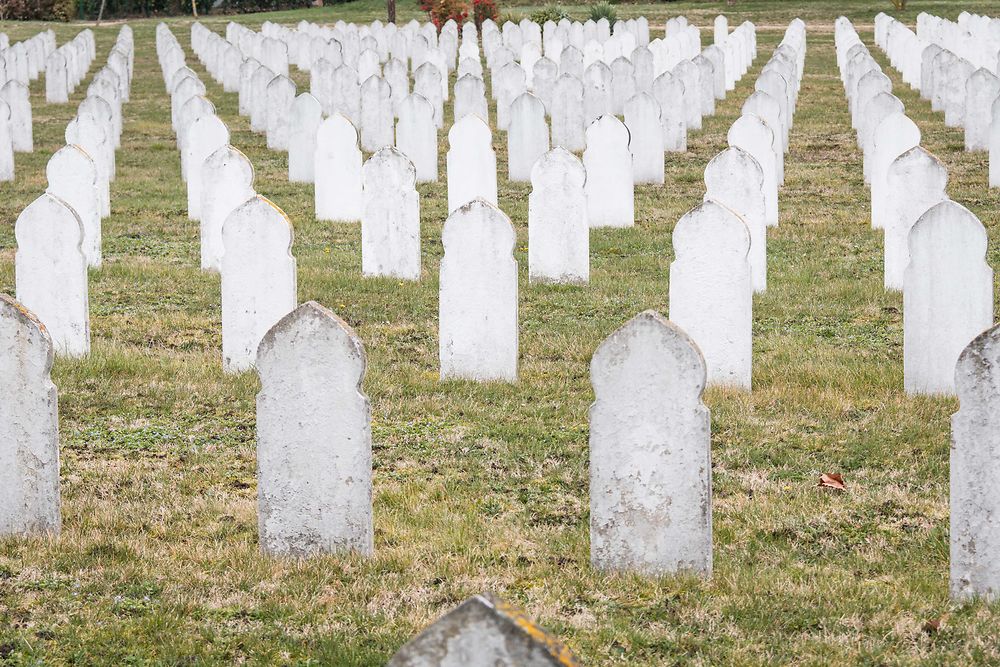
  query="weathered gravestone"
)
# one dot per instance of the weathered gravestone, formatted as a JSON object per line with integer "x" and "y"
{"x": 668, "y": 91}
{"x": 527, "y": 136}
{"x": 484, "y": 631}
{"x": 558, "y": 231}
{"x": 338, "y": 170}
{"x": 642, "y": 117}
{"x": 478, "y": 320}
{"x": 306, "y": 115}
{"x": 975, "y": 484}
{"x": 947, "y": 296}
{"x": 205, "y": 136}
{"x": 711, "y": 293}
{"x": 16, "y": 95}
{"x": 314, "y": 444}
{"x": 734, "y": 179}
{"x": 472, "y": 163}
{"x": 376, "y": 114}
{"x": 56, "y": 79}
{"x": 610, "y": 186}
{"x": 258, "y": 278}
{"x": 72, "y": 177}
{"x": 390, "y": 224}
{"x": 470, "y": 97}
{"x": 916, "y": 181}
{"x": 29, "y": 425}
{"x": 51, "y": 272}
{"x": 752, "y": 134}
{"x": 6, "y": 144}
{"x": 566, "y": 111}
{"x": 895, "y": 135}
{"x": 650, "y": 452}
{"x": 228, "y": 177}
{"x": 416, "y": 136}
{"x": 280, "y": 97}
{"x": 427, "y": 83}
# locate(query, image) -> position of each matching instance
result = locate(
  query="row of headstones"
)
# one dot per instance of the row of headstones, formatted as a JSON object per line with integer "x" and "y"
{"x": 24, "y": 60}
{"x": 67, "y": 66}
{"x": 20, "y": 64}
{"x": 720, "y": 246}
{"x": 934, "y": 248}
{"x": 59, "y": 234}
{"x": 968, "y": 96}
{"x": 973, "y": 37}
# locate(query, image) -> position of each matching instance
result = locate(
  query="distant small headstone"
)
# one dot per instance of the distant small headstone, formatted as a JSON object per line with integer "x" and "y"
{"x": 472, "y": 163}
{"x": 416, "y": 136}
{"x": 558, "y": 231}
{"x": 306, "y": 115}
{"x": 610, "y": 184}
{"x": 338, "y": 170}
{"x": 390, "y": 224}
{"x": 72, "y": 177}
{"x": 527, "y": 136}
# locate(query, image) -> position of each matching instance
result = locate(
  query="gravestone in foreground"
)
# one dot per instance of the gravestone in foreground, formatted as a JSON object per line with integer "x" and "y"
{"x": 484, "y": 631}
{"x": 650, "y": 452}
{"x": 314, "y": 450}
{"x": 29, "y": 425}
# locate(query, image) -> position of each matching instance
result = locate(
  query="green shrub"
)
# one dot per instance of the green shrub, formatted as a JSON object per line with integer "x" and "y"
{"x": 603, "y": 10}
{"x": 554, "y": 13}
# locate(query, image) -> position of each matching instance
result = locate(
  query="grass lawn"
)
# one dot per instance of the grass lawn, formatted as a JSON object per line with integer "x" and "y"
{"x": 484, "y": 487}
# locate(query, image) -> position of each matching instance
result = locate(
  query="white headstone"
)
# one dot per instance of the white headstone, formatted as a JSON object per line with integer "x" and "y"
{"x": 895, "y": 135}
{"x": 734, "y": 179}
{"x": 975, "y": 486}
{"x": 314, "y": 444}
{"x": 338, "y": 170}
{"x": 258, "y": 278}
{"x": 16, "y": 95}
{"x": 472, "y": 163}
{"x": 478, "y": 320}
{"x": 205, "y": 136}
{"x": 558, "y": 231}
{"x": 390, "y": 224}
{"x": 29, "y": 425}
{"x": 72, "y": 177}
{"x": 51, "y": 272}
{"x": 650, "y": 452}
{"x": 610, "y": 186}
{"x": 527, "y": 136}
{"x": 711, "y": 292}
{"x": 6, "y": 144}
{"x": 280, "y": 97}
{"x": 228, "y": 182}
{"x": 752, "y": 134}
{"x": 306, "y": 115}
{"x": 566, "y": 110}
{"x": 416, "y": 136}
{"x": 376, "y": 115}
{"x": 642, "y": 117}
{"x": 947, "y": 296}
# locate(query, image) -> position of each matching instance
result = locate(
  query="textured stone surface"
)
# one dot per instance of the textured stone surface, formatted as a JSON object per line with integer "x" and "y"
{"x": 416, "y": 136}
{"x": 558, "y": 231}
{"x": 314, "y": 448}
{"x": 390, "y": 225}
{"x": 338, "y": 170}
{"x": 610, "y": 184}
{"x": 258, "y": 278}
{"x": 51, "y": 272}
{"x": 642, "y": 117}
{"x": 484, "y": 632}
{"x": 710, "y": 290}
{"x": 650, "y": 452}
{"x": 947, "y": 296}
{"x": 527, "y": 136}
{"x": 29, "y": 425}
{"x": 306, "y": 115}
{"x": 753, "y": 135}
{"x": 478, "y": 321}
{"x": 472, "y": 163}
{"x": 72, "y": 177}
{"x": 206, "y": 135}
{"x": 734, "y": 179}
{"x": 975, "y": 480}
{"x": 228, "y": 182}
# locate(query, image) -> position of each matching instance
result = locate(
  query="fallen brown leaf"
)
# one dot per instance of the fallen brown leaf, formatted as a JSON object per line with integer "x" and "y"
{"x": 933, "y": 625}
{"x": 832, "y": 480}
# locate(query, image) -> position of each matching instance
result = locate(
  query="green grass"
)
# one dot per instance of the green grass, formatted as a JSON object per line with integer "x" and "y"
{"x": 484, "y": 487}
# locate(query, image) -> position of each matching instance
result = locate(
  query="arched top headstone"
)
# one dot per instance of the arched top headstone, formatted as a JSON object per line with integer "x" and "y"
{"x": 70, "y": 161}
{"x": 558, "y": 168}
{"x": 953, "y": 231}
{"x": 338, "y": 130}
{"x": 648, "y": 349}
{"x": 390, "y": 170}
{"x": 977, "y": 374}
{"x": 471, "y": 130}
{"x": 919, "y": 165}
{"x": 489, "y": 629}
{"x": 710, "y": 230}
{"x": 32, "y": 347}
{"x": 236, "y": 164}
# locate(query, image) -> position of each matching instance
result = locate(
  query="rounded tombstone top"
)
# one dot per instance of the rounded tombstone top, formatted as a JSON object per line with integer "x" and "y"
{"x": 952, "y": 229}
{"x": 647, "y": 345}
{"x": 261, "y": 219}
{"x": 710, "y": 230}
{"x": 427, "y": 70}
{"x": 607, "y": 129}
{"x": 558, "y": 168}
{"x": 762, "y": 103}
{"x": 389, "y": 169}
{"x": 47, "y": 218}
{"x": 85, "y": 130}
{"x": 977, "y": 373}
{"x": 337, "y": 130}
{"x": 933, "y": 174}
{"x": 897, "y": 126}
{"x": 28, "y": 323}
{"x": 749, "y": 124}
{"x": 480, "y": 220}
{"x": 470, "y": 128}
{"x": 730, "y": 164}
{"x": 306, "y": 104}
{"x": 313, "y": 331}
{"x": 70, "y": 159}
{"x": 527, "y": 103}
{"x": 233, "y": 160}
